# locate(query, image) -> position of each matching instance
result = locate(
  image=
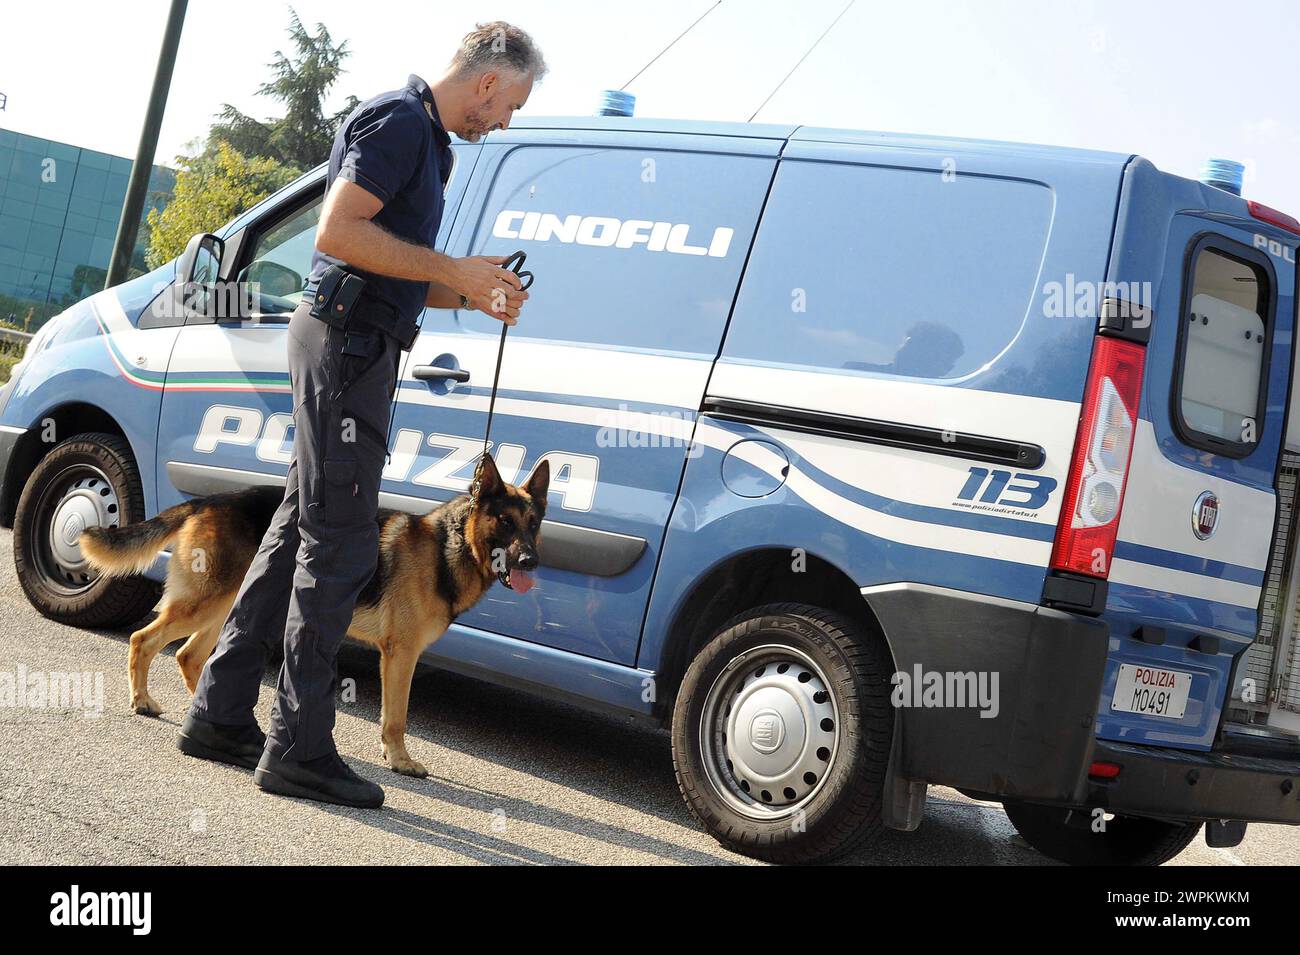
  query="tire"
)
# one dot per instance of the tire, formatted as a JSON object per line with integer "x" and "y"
{"x": 1127, "y": 840}
{"x": 815, "y": 794}
{"x": 88, "y": 479}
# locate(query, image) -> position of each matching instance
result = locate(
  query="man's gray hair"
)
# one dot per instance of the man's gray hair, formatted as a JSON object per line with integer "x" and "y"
{"x": 498, "y": 45}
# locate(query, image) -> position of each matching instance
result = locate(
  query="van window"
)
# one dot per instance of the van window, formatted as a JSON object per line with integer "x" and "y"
{"x": 890, "y": 271}
{"x": 281, "y": 259}
{"x": 1224, "y": 341}
{"x": 632, "y": 248}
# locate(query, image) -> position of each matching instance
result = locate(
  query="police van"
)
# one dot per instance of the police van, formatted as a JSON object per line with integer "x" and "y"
{"x": 877, "y": 462}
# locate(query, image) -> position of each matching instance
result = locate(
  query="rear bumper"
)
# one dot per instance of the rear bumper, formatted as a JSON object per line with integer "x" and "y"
{"x": 1048, "y": 667}
{"x": 1040, "y": 743}
{"x": 1179, "y": 784}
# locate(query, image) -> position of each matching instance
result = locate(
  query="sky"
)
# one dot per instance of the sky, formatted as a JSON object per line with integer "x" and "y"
{"x": 1176, "y": 82}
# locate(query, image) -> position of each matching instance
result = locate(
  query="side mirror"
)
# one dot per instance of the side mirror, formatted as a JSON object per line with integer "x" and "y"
{"x": 201, "y": 261}
{"x": 197, "y": 273}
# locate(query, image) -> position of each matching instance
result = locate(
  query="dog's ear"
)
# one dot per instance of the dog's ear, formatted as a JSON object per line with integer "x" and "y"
{"x": 490, "y": 483}
{"x": 539, "y": 482}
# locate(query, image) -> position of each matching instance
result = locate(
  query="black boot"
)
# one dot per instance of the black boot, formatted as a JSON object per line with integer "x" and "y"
{"x": 325, "y": 779}
{"x": 237, "y": 745}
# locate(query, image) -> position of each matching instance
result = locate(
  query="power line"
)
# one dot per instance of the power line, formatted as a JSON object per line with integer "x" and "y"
{"x": 670, "y": 45}
{"x": 800, "y": 63}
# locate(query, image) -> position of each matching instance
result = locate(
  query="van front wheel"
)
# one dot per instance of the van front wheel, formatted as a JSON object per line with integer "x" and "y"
{"x": 781, "y": 734}
{"x": 1125, "y": 840}
{"x": 90, "y": 480}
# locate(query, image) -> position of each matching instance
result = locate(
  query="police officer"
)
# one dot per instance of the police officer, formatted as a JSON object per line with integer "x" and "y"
{"x": 373, "y": 272}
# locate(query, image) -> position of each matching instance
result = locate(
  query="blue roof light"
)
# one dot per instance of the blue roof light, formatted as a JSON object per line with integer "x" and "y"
{"x": 1225, "y": 174}
{"x": 616, "y": 103}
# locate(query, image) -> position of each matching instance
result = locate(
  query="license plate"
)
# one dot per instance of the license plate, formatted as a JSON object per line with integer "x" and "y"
{"x": 1151, "y": 691}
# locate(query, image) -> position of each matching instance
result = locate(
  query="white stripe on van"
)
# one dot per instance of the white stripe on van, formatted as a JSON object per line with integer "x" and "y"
{"x": 1160, "y": 497}
{"x": 579, "y": 371}
{"x": 1044, "y": 421}
{"x": 960, "y": 540}
{"x": 669, "y": 426}
{"x": 891, "y": 527}
{"x": 1183, "y": 583}
{"x": 912, "y": 477}
{"x": 533, "y": 366}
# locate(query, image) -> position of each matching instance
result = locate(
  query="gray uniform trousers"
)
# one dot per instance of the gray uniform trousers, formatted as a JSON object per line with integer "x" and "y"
{"x": 321, "y": 548}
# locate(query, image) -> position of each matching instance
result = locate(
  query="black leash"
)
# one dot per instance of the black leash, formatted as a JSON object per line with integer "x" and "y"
{"x": 514, "y": 264}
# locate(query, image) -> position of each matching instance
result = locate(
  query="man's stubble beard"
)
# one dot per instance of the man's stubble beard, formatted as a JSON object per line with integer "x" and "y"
{"x": 476, "y": 121}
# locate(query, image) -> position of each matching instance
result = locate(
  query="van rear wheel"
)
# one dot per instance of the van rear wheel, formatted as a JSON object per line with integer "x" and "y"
{"x": 88, "y": 480}
{"x": 1126, "y": 840}
{"x": 781, "y": 734}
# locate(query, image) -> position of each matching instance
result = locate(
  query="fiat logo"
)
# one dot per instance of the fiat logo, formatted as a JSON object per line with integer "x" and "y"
{"x": 767, "y": 731}
{"x": 1205, "y": 515}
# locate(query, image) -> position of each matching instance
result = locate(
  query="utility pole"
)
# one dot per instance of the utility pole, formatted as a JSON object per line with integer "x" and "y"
{"x": 138, "y": 185}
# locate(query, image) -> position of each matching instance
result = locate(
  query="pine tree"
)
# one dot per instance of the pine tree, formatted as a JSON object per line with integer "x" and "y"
{"x": 302, "y": 137}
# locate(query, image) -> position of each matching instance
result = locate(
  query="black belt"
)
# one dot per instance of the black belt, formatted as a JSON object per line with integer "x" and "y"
{"x": 404, "y": 330}
{"x": 368, "y": 311}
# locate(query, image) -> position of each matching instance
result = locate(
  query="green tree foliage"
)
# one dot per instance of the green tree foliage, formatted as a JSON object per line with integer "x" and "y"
{"x": 244, "y": 159}
{"x": 211, "y": 189}
{"x": 302, "y": 137}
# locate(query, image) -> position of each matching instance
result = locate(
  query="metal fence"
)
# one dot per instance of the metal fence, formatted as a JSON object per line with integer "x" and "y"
{"x": 1273, "y": 661}
{"x": 14, "y": 335}
{"x": 1262, "y": 656}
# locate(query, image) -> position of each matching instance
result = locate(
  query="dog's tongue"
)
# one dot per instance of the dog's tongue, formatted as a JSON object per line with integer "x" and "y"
{"x": 521, "y": 581}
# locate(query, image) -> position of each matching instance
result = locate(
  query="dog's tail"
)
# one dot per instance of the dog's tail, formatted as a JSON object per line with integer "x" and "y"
{"x": 130, "y": 550}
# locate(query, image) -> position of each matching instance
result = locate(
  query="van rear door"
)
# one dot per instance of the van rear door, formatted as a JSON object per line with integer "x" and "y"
{"x": 1200, "y": 504}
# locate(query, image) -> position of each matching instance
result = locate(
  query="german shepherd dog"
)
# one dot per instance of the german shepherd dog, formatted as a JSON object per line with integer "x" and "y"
{"x": 431, "y": 568}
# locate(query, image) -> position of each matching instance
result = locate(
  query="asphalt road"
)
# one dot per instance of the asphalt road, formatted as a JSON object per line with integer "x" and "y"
{"x": 513, "y": 779}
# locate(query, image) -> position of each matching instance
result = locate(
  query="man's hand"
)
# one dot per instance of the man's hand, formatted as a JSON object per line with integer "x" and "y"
{"x": 490, "y": 289}
{"x": 347, "y": 233}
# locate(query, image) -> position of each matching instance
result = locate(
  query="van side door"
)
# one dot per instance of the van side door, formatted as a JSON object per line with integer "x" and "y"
{"x": 637, "y": 241}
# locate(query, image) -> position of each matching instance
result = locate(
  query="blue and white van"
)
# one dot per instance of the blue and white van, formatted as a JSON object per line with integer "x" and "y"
{"x": 877, "y": 462}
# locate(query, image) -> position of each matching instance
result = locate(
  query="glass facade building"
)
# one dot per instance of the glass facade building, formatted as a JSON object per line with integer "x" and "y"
{"x": 59, "y": 208}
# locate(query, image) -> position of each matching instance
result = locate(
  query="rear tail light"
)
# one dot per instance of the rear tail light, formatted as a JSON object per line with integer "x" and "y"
{"x": 1100, "y": 770}
{"x": 1094, "y": 492}
{"x": 1280, "y": 219}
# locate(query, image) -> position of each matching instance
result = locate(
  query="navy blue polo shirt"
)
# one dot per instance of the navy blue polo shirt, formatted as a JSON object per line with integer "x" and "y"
{"x": 395, "y": 147}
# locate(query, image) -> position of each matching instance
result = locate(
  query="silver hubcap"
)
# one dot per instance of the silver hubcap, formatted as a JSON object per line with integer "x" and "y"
{"x": 769, "y": 732}
{"x": 82, "y": 497}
